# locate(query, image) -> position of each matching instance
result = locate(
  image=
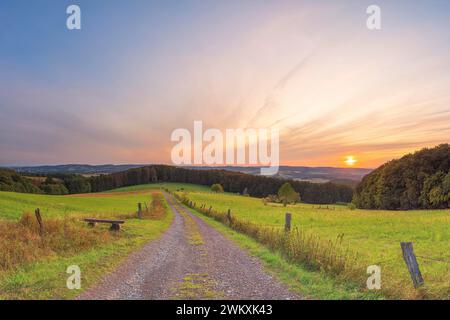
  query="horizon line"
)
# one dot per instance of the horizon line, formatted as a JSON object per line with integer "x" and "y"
{"x": 184, "y": 166}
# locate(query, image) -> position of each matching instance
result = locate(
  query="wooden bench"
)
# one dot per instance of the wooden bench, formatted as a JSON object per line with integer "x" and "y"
{"x": 115, "y": 224}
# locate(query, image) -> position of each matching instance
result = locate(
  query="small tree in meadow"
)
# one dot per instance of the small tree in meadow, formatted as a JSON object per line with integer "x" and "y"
{"x": 287, "y": 194}
{"x": 216, "y": 187}
{"x": 273, "y": 198}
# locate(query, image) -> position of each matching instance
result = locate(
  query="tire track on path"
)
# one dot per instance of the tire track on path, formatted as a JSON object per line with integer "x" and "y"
{"x": 191, "y": 260}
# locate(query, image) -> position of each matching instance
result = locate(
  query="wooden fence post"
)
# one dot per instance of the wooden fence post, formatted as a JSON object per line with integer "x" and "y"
{"x": 37, "y": 213}
{"x": 287, "y": 224}
{"x": 229, "y": 216}
{"x": 140, "y": 210}
{"x": 411, "y": 262}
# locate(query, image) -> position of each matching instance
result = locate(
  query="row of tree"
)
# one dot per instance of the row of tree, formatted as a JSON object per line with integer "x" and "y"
{"x": 416, "y": 181}
{"x": 55, "y": 184}
{"x": 12, "y": 181}
{"x": 235, "y": 182}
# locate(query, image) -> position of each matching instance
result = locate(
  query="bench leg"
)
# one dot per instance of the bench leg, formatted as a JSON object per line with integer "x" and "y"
{"x": 91, "y": 224}
{"x": 115, "y": 227}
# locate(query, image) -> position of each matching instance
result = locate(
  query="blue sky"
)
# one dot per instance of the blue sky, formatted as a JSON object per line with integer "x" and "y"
{"x": 113, "y": 91}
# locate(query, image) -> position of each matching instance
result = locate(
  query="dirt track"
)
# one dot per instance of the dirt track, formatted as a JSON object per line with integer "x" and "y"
{"x": 191, "y": 260}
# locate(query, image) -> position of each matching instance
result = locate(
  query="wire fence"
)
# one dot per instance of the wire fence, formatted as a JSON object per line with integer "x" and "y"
{"x": 444, "y": 260}
{"x": 408, "y": 257}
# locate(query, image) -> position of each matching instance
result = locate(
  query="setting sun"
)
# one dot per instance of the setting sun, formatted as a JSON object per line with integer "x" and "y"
{"x": 350, "y": 160}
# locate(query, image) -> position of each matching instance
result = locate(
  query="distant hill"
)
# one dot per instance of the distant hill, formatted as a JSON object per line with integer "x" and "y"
{"x": 346, "y": 176}
{"x": 76, "y": 168}
{"x": 416, "y": 181}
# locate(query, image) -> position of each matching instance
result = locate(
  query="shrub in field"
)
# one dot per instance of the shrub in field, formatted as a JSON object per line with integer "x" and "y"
{"x": 217, "y": 188}
{"x": 272, "y": 198}
{"x": 287, "y": 194}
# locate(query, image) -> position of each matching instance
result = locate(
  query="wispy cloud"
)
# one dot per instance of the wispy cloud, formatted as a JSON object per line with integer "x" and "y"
{"x": 114, "y": 91}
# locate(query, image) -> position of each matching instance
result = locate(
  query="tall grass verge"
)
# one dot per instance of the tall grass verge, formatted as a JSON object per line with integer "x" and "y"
{"x": 20, "y": 242}
{"x": 157, "y": 209}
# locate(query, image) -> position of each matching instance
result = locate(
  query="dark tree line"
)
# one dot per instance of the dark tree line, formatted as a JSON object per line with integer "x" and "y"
{"x": 54, "y": 184}
{"x": 416, "y": 181}
{"x": 74, "y": 183}
{"x": 257, "y": 186}
{"x": 235, "y": 182}
{"x": 12, "y": 181}
{"x": 54, "y": 187}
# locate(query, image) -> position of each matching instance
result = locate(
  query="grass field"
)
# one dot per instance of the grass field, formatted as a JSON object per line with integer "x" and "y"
{"x": 167, "y": 185}
{"x": 374, "y": 236}
{"x": 307, "y": 283}
{"x": 13, "y": 205}
{"x": 45, "y": 277}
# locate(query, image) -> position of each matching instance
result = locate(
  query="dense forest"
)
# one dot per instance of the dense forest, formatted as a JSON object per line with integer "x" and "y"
{"x": 416, "y": 181}
{"x": 257, "y": 186}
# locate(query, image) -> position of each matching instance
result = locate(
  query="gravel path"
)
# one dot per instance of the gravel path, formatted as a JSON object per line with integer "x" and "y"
{"x": 191, "y": 260}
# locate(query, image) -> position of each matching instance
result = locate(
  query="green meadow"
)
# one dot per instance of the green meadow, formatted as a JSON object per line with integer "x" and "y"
{"x": 13, "y": 205}
{"x": 374, "y": 236}
{"x": 171, "y": 186}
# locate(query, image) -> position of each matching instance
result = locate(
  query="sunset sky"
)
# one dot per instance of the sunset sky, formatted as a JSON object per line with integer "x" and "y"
{"x": 114, "y": 91}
